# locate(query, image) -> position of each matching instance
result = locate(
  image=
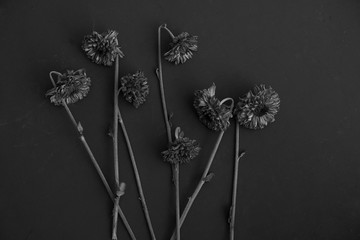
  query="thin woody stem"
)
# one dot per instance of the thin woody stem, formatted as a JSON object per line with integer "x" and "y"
{"x": 175, "y": 169}
{"x": 238, "y": 156}
{"x": 100, "y": 173}
{"x": 115, "y": 219}
{"x": 115, "y": 143}
{"x": 204, "y": 178}
{"x": 162, "y": 91}
{"x": 107, "y": 187}
{"x": 115, "y": 122}
{"x": 235, "y": 183}
{"x": 137, "y": 176}
{"x": 177, "y": 191}
{"x": 79, "y": 129}
{"x": 159, "y": 74}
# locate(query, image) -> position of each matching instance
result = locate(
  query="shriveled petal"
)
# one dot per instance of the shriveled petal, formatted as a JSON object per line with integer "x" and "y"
{"x": 258, "y": 108}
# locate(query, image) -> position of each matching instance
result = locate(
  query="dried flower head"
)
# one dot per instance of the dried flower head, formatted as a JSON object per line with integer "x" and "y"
{"x": 182, "y": 48}
{"x": 182, "y": 150}
{"x": 135, "y": 88}
{"x": 258, "y": 107}
{"x": 71, "y": 87}
{"x": 213, "y": 113}
{"x": 102, "y": 48}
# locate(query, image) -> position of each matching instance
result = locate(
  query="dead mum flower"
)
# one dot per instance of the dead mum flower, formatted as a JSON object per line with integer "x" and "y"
{"x": 102, "y": 48}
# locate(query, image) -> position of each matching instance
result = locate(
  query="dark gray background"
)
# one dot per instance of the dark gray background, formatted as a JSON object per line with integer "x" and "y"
{"x": 300, "y": 178}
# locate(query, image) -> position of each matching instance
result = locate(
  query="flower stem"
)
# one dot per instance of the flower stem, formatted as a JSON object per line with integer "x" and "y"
{"x": 119, "y": 192}
{"x": 137, "y": 176}
{"x": 79, "y": 129}
{"x": 107, "y": 187}
{"x": 177, "y": 191}
{"x": 115, "y": 133}
{"x": 235, "y": 182}
{"x": 175, "y": 169}
{"x": 238, "y": 156}
{"x": 204, "y": 178}
{"x": 100, "y": 173}
{"x": 115, "y": 142}
{"x": 159, "y": 74}
{"x": 162, "y": 91}
{"x": 168, "y": 30}
{"x": 115, "y": 219}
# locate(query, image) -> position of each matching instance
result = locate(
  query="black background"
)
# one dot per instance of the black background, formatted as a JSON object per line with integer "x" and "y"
{"x": 300, "y": 178}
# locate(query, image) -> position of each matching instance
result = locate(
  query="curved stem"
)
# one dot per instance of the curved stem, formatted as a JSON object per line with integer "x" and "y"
{"x": 51, "y": 78}
{"x": 162, "y": 90}
{"x": 168, "y": 30}
{"x": 159, "y": 74}
{"x": 204, "y": 178}
{"x": 137, "y": 176}
{"x": 228, "y": 99}
{"x": 79, "y": 129}
{"x": 175, "y": 169}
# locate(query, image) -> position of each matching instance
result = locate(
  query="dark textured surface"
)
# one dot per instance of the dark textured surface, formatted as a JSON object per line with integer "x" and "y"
{"x": 300, "y": 178}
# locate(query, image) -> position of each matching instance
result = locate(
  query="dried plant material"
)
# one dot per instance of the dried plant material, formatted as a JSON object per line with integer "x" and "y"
{"x": 135, "y": 88}
{"x": 182, "y": 48}
{"x": 212, "y": 112}
{"x": 68, "y": 83}
{"x": 71, "y": 87}
{"x": 137, "y": 176}
{"x": 102, "y": 48}
{"x": 215, "y": 115}
{"x": 182, "y": 150}
{"x": 119, "y": 192}
{"x": 258, "y": 108}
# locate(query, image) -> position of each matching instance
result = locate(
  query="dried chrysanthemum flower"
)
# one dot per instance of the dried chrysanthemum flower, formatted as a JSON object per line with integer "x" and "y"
{"x": 182, "y": 150}
{"x": 135, "y": 88}
{"x": 258, "y": 107}
{"x": 102, "y": 48}
{"x": 211, "y": 111}
{"x": 71, "y": 87}
{"x": 182, "y": 48}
